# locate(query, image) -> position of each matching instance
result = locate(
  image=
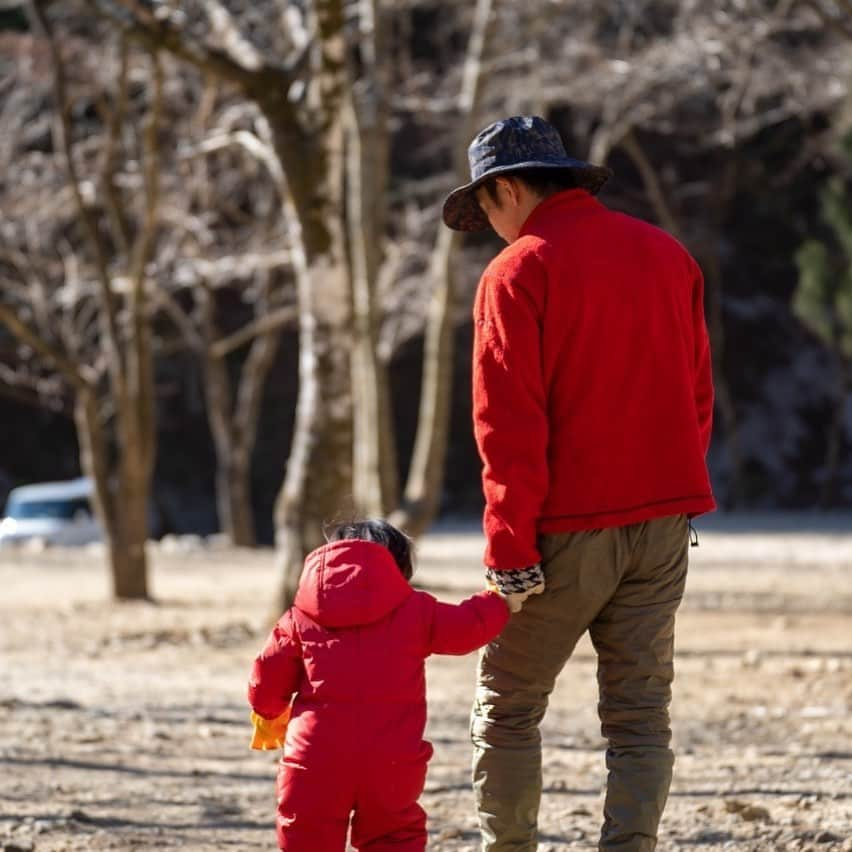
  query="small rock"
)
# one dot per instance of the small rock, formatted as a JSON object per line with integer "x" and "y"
{"x": 18, "y": 846}
{"x": 80, "y": 816}
{"x": 827, "y": 837}
{"x": 751, "y": 659}
{"x": 755, "y": 813}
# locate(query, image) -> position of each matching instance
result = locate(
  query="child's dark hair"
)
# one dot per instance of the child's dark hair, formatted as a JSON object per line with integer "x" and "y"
{"x": 380, "y": 532}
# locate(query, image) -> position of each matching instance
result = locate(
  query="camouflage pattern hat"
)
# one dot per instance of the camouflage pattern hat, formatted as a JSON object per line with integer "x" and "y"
{"x": 509, "y": 145}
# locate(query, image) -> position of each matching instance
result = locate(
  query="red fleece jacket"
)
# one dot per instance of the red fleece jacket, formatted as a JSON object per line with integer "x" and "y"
{"x": 353, "y": 647}
{"x": 592, "y": 387}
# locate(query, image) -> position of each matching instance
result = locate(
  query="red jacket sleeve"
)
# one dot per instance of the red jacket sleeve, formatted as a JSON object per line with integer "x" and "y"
{"x": 703, "y": 363}
{"x": 462, "y": 628}
{"x": 510, "y": 407}
{"x": 277, "y": 670}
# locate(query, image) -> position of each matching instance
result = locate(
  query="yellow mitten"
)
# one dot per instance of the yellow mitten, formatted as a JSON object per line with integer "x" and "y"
{"x": 269, "y": 733}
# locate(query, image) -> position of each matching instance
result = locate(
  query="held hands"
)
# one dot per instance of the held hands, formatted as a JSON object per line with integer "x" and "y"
{"x": 269, "y": 733}
{"x": 515, "y": 586}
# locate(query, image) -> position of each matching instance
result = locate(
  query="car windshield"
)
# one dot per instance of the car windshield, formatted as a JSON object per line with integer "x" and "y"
{"x": 55, "y": 510}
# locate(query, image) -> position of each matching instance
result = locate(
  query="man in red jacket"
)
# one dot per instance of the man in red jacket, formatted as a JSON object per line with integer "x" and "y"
{"x": 592, "y": 410}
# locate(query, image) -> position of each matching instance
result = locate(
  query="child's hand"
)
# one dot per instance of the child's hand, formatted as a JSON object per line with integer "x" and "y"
{"x": 515, "y": 586}
{"x": 269, "y": 733}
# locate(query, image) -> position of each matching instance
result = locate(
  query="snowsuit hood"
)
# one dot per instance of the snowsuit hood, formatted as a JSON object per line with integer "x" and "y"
{"x": 349, "y": 583}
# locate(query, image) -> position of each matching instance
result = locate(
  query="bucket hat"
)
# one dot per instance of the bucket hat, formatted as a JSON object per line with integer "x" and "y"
{"x": 509, "y": 145}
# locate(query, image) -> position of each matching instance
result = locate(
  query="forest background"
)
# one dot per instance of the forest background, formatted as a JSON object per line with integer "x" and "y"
{"x": 226, "y": 295}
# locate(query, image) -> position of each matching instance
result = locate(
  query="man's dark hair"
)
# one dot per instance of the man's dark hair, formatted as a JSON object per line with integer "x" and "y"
{"x": 379, "y": 532}
{"x": 543, "y": 182}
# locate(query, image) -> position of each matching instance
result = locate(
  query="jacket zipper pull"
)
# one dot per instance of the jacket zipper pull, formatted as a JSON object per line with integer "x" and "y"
{"x": 693, "y": 534}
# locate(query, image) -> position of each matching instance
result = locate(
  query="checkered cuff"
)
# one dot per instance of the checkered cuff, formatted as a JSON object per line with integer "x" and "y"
{"x": 515, "y": 581}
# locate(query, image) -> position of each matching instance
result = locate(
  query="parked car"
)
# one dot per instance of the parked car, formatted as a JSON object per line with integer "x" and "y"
{"x": 55, "y": 512}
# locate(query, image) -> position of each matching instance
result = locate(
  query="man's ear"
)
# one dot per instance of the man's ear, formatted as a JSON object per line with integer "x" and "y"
{"x": 512, "y": 188}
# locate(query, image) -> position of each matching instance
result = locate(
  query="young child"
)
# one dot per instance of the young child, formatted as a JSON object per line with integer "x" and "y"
{"x": 352, "y": 649}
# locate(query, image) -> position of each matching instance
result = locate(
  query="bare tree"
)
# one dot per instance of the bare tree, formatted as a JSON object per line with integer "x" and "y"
{"x": 234, "y": 393}
{"x": 301, "y": 99}
{"x": 110, "y": 370}
{"x": 375, "y": 485}
{"x": 420, "y": 500}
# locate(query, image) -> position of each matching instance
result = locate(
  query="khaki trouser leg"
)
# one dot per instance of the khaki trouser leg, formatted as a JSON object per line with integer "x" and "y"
{"x": 517, "y": 672}
{"x": 634, "y": 639}
{"x": 631, "y": 624}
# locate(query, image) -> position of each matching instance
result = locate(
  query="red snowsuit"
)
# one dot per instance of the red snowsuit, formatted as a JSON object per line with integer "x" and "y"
{"x": 353, "y": 648}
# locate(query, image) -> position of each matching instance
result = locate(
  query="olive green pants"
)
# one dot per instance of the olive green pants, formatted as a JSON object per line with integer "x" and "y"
{"x": 624, "y": 586}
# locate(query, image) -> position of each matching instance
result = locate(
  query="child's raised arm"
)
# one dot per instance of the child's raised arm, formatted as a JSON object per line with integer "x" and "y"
{"x": 462, "y": 628}
{"x": 277, "y": 670}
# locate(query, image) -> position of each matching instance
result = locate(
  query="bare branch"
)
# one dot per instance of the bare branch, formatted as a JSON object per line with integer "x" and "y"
{"x": 841, "y": 24}
{"x": 36, "y": 390}
{"x": 650, "y": 179}
{"x": 159, "y": 30}
{"x": 141, "y": 357}
{"x": 229, "y": 36}
{"x": 232, "y": 266}
{"x": 109, "y": 319}
{"x": 145, "y": 240}
{"x": 263, "y": 325}
{"x": 252, "y": 382}
{"x": 74, "y": 374}
{"x": 115, "y": 124}
{"x": 250, "y": 143}
{"x": 181, "y": 319}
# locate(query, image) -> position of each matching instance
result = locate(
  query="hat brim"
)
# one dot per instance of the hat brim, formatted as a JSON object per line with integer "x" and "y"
{"x": 462, "y": 212}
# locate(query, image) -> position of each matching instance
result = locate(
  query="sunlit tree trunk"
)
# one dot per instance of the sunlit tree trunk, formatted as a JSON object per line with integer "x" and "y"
{"x": 318, "y": 484}
{"x": 422, "y": 496}
{"x": 123, "y": 485}
{"x": 375, "y": 482}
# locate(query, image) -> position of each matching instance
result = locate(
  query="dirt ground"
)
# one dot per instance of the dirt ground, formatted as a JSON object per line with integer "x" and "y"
{"x": 125, "y": 726}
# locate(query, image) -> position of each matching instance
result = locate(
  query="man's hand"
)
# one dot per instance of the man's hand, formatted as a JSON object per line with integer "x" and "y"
{"x": 515, "y": 585}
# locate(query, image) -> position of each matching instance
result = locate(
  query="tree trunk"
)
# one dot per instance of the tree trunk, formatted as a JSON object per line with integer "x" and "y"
{"x": 128, "y": 545}
{"x": 422, "y": 498}
{"x": 375, "y": 479}
{"x": 375, "y": 483}
{"x": 133, "y": 392}
{"x": 244, "y": 430}
{"x": 233, "y": 500}
{"x": 318, "y": 484}
{"x": 217, "y": 390}
{"x": 94, "y": 465}
{"x": 308, "y": 141}
{"x": 120, "y": 503}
